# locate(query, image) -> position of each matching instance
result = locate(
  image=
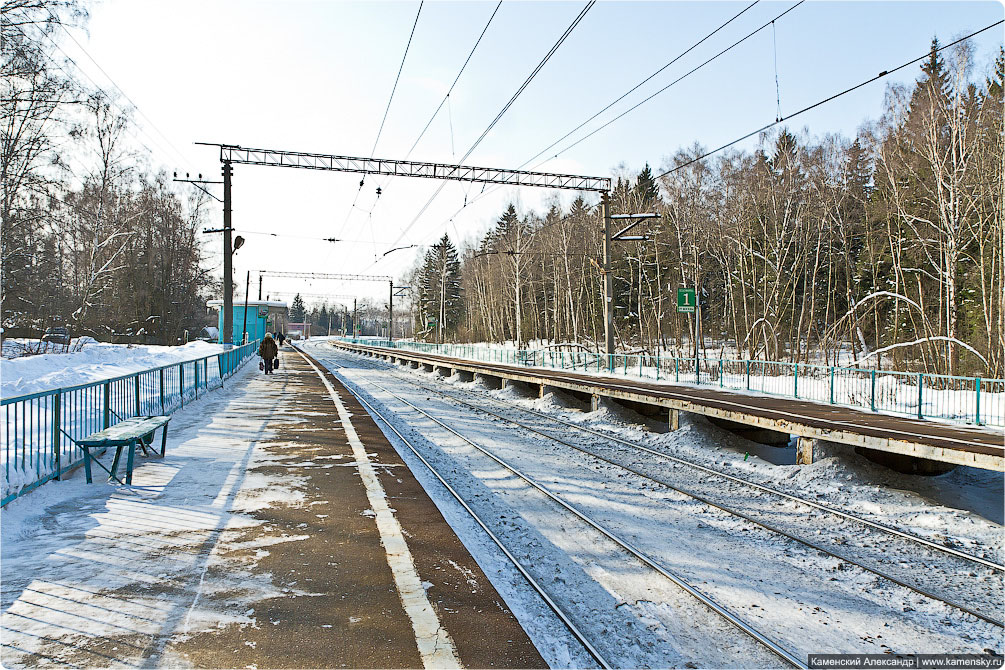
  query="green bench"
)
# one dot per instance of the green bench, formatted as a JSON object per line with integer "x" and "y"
{"x": 127, "y": 434}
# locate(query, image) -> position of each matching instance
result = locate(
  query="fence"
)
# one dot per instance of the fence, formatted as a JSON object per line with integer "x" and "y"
{"x": 40, "y": 429}
{"x": 916, "y": 394}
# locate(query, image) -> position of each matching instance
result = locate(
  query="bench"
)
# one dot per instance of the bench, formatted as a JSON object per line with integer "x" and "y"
{"x": 127, "y": 434}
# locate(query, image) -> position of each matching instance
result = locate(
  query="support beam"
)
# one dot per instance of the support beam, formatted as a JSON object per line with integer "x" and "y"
{"x": 399, "y": 168}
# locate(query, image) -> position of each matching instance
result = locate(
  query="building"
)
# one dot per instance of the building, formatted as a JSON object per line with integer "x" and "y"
{"x": 264, "y": 316}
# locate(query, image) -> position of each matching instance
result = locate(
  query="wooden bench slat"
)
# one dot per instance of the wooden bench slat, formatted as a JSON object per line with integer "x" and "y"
{"x": 125, "y": 431}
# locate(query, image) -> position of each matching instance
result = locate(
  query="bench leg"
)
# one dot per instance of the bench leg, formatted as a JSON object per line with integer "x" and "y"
{"x": 115, "y": 463}
{"x": 87, "y": 464}
{"x": 129, "y": 463}
{"x": 164, "y": 437}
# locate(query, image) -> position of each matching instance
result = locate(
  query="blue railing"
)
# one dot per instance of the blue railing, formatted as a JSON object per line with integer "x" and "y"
{"x": 972, "y": 400}
{"x": 38, "y": 439}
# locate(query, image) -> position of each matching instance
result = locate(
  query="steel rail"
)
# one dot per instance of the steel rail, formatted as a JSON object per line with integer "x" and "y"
{"x": 722, "y": 611}
{"x": 576, "y": 633}
{"x": 847, "y": 515}
{"x": 917, "y": 589}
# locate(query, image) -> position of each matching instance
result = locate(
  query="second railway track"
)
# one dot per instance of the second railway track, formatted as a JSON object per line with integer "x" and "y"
{"x": 882, "y": 555}
{"x": 786, "y": 656}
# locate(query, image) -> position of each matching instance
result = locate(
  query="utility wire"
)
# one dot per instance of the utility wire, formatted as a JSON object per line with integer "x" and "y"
{"x": 509, "y": 103}
{"x": 678, "y": 80}
{"x": 383, "y": 120}
{"x": 395, "y": 87}
{"x": 459, "y": 73}
{"x": 622, "y": 97}
{"x": 642, "y": 83}
{"x": 881, "y": 75}
{"x": 530, "y": 78}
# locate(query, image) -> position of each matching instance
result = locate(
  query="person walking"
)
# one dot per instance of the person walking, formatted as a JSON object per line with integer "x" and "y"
{"x": 282, "y": 338}
{"x": 269, "y": 352}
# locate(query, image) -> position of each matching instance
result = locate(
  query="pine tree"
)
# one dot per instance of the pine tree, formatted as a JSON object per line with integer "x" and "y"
{"x": 297, "y": 311}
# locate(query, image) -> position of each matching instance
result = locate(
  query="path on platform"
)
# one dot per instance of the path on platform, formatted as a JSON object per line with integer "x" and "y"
{"x": 254, "y": 543}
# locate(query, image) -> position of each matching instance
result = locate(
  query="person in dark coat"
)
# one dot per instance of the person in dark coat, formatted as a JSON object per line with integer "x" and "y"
{"x": 282, "y": 338}
{"x": 268, "y": 351}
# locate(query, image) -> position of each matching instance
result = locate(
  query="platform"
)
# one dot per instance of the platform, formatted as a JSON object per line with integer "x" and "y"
{"x": 934, "y": 440}
{"x": 272, "y": 535}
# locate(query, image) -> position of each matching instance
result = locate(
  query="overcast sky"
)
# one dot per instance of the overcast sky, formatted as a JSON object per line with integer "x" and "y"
{"x": 316, "y": 76}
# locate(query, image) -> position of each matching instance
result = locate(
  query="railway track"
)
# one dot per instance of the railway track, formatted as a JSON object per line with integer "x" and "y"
{"x": 960, "y": 568}
{"x": 778, "y": 650}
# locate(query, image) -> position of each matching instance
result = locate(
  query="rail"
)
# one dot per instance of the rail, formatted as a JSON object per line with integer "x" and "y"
{"x": 38, "y": 439}
{"x": 972, "y": 400}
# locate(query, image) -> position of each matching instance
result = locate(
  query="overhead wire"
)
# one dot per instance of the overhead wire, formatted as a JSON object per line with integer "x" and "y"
{"x": 879, "y": 76}
{"x": 387, "y": 109}
{"x": 677, "y": 81}
{"x": 626, "y": 94}
{"x": 551, "y": 52}
{"x": 456, "y": 79}
{"x": 644, "y": 81}
{"x": 398, "y": 77}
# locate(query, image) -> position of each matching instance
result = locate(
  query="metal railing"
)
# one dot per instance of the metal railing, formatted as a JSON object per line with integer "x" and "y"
{"x": 973, "y": 400}
{"x": 38, "y": 439}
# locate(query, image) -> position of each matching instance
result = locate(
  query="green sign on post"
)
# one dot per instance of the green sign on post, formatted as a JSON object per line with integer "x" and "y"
{"x": 686, "y": 300}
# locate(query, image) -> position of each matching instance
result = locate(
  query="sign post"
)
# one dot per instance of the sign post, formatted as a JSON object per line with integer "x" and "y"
{"x": 687, "y": 303}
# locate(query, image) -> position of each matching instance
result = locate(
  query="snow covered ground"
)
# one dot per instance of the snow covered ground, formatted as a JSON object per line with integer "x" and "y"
{"x": 95, "y": 361}
{"x": 808, "y": 601}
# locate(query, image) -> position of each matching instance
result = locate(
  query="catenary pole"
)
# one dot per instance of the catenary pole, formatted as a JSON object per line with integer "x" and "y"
{"x": 605, "y": 211}
{"x": 228, "y": 261}
{"x": 390, "y": 310}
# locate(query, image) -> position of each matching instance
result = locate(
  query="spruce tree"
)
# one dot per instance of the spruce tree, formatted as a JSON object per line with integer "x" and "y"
{"x": 440, "y": 294}
{"x": 646, "y": 189}
{"x": 297, "y": 310}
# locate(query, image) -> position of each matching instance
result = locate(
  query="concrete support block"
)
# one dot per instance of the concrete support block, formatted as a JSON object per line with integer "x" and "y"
{"x": 805, "y": 447}
{"x": 489, "y": 380}
{"x": 594, "y": 402}
{"x": 504, "y": 383}
{"x": 674, "y": 420}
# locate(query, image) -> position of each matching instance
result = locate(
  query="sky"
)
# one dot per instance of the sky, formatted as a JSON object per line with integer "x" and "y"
{"x": 316, "y": 76}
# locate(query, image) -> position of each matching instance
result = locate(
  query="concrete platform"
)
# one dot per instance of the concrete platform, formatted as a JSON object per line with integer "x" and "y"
{"x": 955, "y": 444}
{"x": 272, "y": 535}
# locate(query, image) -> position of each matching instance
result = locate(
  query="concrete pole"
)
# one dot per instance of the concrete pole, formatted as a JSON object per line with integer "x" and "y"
{"x": 259, "y": 286}
{"x": 605, "y": 211}
{"x": 227, "y": 336}
{"x": 390, "y": 310}
{"x": 355, "y": 317}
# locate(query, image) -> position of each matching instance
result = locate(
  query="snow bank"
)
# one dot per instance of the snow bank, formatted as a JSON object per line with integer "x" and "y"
{"x": 94, "y": 362}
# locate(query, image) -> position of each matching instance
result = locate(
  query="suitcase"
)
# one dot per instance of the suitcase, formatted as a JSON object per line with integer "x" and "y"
{"x": 275, "y": 364}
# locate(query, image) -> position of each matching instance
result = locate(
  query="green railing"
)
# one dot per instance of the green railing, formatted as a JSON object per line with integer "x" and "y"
{"x": 972, "y": 400}
{"x": 38, "y": 440}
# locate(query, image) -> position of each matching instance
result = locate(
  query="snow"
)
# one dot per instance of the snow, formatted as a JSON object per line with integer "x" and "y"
{"x": 87, "y": 566}
{"x": 95, "y": 361}
{"x": 809, "y": 601}
{"x": 952, "y": 399}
